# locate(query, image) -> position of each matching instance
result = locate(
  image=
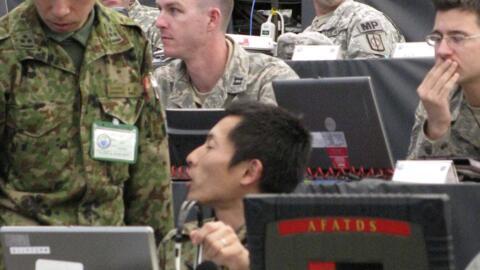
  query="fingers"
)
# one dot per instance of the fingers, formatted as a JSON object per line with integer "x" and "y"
{"x": 439, "y": 81}
{"x": 220, "y": 243}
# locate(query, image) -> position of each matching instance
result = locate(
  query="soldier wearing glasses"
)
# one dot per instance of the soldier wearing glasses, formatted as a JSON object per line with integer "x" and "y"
{"x": 447, "y": 118}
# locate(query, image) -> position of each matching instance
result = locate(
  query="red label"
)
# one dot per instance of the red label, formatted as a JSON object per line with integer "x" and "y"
{"x": 321, "y": 266}
{"x": 344, "y": 224}
{"x": 339, "y": 157}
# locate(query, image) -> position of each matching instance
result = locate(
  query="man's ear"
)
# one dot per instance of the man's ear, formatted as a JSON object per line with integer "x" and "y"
{"x": 215, "y": 18}
{"x": 253, "y": 172}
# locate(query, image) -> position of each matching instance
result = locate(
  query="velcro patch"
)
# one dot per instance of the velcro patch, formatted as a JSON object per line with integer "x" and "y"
{"x": 376, "y": 42}
{"x": 370, "y": 26}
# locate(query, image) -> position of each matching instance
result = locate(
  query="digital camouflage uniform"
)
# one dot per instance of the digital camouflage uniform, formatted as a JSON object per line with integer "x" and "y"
{"x": 360, "y": 30}
{"x": 47, "y": 108}
{"x": 166, "y": 249}
{"x": 146, "y": 18}
{"x": 248, "y": 76}
{"x": 462, "y": 139}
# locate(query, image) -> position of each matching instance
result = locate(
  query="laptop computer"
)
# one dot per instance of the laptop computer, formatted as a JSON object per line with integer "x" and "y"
{"x": 187, "y": 129}
{"x": 78, "y": 248}
{"x": 344, "y": 120}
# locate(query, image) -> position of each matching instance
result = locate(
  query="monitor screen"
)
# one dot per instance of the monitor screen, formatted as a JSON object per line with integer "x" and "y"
{"x": 78, "y": 248}
{"x": 344, "y": 120}
{"x": 187, "y": 129}
{"x": 337, "y": 232}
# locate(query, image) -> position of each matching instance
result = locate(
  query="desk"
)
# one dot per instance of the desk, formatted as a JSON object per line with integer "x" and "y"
{"x": 394, "y": 81}
{"x": 464, "y": 199}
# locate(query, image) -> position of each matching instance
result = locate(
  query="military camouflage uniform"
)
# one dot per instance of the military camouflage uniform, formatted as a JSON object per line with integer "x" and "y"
{"x": 146, "y": 17}
{"x": 166, "y": 249}
{"x": 47, "y": 109}
{"x": 462, "y": 139}
{"x": 248, "y": 76}
{"x": 360, "y": 30}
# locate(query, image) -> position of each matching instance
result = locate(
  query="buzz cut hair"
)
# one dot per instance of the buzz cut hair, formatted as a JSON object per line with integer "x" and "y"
{"x": 225, "y": 6}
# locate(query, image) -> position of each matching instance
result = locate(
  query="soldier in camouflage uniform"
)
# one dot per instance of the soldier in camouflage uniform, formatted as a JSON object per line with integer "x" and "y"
{"x": 145, "y": 17}
{"x": 58, "y": 78}
{"x": 360, "y": 30}
{"x": 255, "y": 148}
{"x": 212, "y": 70}
{"x": 448, "y": 116}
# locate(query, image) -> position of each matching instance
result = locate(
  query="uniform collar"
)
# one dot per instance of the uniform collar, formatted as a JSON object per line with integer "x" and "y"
{"x": 233, "y": 81}
{"x": 80, "y": 35}
{"x": 31, "y": 42}
{"x": 334, "y": 18}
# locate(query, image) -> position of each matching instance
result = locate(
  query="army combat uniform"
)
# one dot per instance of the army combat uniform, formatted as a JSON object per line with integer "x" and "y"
{"x": 248, "y": 76}
{"x": 146, "y": 18}
{"x": 166, "y": 249}
{"x": 48, "y": 105}
{"x": 462, "y": 139}
{"x": 359, "y": 29}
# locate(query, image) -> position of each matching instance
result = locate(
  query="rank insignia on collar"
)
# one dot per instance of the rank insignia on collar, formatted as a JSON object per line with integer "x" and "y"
{"x": 237, "y": 81}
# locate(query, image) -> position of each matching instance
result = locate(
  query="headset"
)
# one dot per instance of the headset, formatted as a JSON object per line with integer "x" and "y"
{"x": 268, "y": 29}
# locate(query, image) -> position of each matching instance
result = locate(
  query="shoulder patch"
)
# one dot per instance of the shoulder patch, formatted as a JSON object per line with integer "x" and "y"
{"x": 370, "y": 26}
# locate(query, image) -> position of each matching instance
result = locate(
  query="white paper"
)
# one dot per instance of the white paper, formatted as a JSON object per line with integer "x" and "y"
{"x": 425, "y": 171}
{"x": 316, "y": 52}
{"x": 413, "y": 49}
{"x": 44, "y": 264}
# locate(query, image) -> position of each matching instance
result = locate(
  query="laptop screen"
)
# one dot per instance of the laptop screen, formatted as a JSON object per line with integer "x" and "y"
{"x": 343, "y": 118}
{"x": 79, "y": 248}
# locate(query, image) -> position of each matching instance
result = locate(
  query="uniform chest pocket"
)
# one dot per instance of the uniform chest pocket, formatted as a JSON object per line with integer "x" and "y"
{"x": 38, "y": 119}
{"x": 123, "y": 102}
{"x": 41, "y": 146}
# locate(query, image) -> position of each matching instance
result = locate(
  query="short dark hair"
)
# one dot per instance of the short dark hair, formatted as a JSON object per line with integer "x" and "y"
{"x": 466, "y": 5}
{"x": 274, "y": 136}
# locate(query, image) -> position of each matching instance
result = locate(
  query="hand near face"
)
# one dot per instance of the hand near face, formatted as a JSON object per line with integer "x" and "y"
{"x": 221, "y": 245}
{"x": 434, "y": 93}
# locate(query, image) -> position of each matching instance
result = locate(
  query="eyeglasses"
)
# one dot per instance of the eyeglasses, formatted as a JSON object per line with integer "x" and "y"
{"x": 455, "y": 40}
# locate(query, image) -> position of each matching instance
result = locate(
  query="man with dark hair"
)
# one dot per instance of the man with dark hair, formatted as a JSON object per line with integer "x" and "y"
{"x": 448, "y": 116}
{"x": 211, "y": 70}
{"x": 255, "y": 148}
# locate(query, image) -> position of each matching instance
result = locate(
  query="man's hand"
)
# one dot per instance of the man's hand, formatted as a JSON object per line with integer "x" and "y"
{"x": 434, "y": 92}
{"x": 221, "y": 245}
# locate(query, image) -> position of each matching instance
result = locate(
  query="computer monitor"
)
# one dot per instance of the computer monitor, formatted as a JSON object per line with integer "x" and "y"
{"x": 187, "y": 129}
{"x": 338, "y": 232}
{"x": 344, "y": 120}
{"x": 78, "y": 248}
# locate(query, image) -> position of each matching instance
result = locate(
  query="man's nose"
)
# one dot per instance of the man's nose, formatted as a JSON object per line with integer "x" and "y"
{"x": 60, "y": 8}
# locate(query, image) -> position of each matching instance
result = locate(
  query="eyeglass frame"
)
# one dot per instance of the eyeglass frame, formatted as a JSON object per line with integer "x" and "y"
{"x": 450, "y": 39}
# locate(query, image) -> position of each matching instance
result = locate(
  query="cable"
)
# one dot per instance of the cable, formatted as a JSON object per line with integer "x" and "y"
{"x": 251, "y": 17}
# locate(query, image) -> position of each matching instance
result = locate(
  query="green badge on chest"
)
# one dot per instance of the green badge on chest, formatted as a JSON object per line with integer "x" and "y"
{"x": 114, "y": 142}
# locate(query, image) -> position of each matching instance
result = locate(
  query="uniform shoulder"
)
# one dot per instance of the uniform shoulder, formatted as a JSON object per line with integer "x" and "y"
{"x": 267, "y": 61}
{"x": 108, "y": 14}
{"x": 168, "y": 71}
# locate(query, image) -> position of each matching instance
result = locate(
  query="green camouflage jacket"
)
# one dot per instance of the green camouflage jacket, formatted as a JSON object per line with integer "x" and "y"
{"x": 248, "y": 76}
{"x": 461, "y": 140}
{"x": 360, "y": 30}
{"x": 46, "y": 115}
